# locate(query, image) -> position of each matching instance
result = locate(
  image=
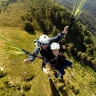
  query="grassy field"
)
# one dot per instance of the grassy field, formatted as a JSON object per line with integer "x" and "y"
{"x": 29, "y": 80}
{"x": 19, "y": 79}
{"x": 12, "y": 61}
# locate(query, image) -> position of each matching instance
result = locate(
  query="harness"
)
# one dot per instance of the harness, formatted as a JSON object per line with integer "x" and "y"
{"x": 57, "y": 61}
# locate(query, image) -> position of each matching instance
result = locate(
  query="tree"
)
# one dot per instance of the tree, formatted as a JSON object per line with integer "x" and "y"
{"x": 87, "y": 40}
{"x": 49, "y": 25}
{"x": 28, "y": 27}
{"x": 55, "y": 31}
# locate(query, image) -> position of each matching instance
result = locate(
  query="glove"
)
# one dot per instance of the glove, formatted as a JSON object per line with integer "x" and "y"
{"x": 31, "y": 58}
{"x": 46, "y": 70}
{"x": 27, "y": 61}
{"x": 65, "y": 30}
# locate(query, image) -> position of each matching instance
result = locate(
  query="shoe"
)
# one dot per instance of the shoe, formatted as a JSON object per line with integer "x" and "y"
{"x": 55, "y": 74}
{"x": 59, "y": 74}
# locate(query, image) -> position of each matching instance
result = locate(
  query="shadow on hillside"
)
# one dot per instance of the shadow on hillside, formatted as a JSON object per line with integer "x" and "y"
{"x": 31, "y": 32}
{"x": 84, "y": 63}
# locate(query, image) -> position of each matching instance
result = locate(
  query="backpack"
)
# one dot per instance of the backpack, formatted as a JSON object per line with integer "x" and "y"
{"x": 37, "y": 43}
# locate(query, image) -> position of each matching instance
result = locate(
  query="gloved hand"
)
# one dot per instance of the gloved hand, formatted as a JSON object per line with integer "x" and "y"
{"x": 31, "y": 58}
{"x": 27, "y": 61}
{"x": 65, "y": 30}
{"x": 46, "y": 70}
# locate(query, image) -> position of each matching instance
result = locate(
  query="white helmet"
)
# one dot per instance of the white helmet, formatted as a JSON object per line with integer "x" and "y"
{"x": 44, "y": 39}
{"x": 55, "y": 45}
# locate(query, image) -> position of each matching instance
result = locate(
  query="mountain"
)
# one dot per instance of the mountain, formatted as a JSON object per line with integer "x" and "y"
{"x": 23, "y": 21}
{"x": 88, "y": 16}
{"x": 90, "y": 6}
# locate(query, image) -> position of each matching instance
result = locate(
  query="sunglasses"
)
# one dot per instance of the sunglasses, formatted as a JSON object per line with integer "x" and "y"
{"x": 42, "y": 44}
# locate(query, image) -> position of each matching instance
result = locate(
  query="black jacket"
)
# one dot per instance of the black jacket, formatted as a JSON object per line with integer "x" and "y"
{"x": 57, "y": 62}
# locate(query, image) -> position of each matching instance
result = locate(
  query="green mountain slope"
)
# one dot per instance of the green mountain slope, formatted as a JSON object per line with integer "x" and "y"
{"x": 11, "y": 16}
{"x": 20, "y": 79}
{"x": 79, "y": 81}
{"x": 14, "y": 13}
{"x": 17, "y": 71}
